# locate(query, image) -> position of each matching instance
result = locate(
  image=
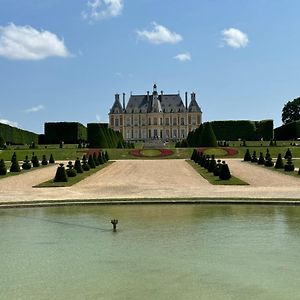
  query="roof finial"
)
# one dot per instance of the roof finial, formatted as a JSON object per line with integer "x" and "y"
{"x": 154, "y": 89}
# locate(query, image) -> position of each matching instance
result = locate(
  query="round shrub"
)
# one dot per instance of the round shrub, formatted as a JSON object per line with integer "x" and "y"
{"x": 51, "y": 159}
{"x": 261, "y": 159}
{"x": 3, "y": 169}
{"x": 289, "y": 166}
{"x": 91, "y": 162}
{"x": 44, "y": 161}
{"x": 71, "y": 172}
{"x": 78, "y": 166}
{"x": 26, "y": 164}
{"x": 85, "y": 165}
{"x": 15, "y": 165}
{"x": 224, "y": 172}
{"x": 61, "y": 175}
{"x": 247, "y": 156}
{"x": 279, "y": 162}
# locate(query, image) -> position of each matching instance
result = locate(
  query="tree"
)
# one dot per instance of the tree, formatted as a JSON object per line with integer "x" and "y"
{"x": 2, "y": 142}
{"x": 291, "y": 111}
{"x": 279, "y": 162}
{"x": 208, "y": 138}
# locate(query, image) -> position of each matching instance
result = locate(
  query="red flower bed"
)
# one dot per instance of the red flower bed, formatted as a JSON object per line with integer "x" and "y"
{"x": 92, "y": 151}
{"x": 163, "y": 152}
{"x": 229, "y": 151}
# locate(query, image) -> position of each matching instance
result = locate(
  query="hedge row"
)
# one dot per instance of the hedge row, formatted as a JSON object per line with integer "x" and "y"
{"x": 289, "y": 131}
{"x": 243, "y": 129}
{"x": 68, "y": 132}
{"x": 100, "y": 136}
{"x": 16, "y": 136}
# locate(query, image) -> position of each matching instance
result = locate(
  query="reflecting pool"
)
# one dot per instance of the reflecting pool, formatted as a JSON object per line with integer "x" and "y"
{"x": 158, "y": 252}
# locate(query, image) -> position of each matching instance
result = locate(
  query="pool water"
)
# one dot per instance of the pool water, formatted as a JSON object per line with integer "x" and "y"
{"x": 158, "y": 252}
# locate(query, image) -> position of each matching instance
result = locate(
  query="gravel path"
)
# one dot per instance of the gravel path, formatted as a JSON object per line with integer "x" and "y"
{"x": 134, "y": 179}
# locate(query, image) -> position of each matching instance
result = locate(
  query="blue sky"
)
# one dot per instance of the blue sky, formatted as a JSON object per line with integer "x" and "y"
{"x": 63, "y": 60}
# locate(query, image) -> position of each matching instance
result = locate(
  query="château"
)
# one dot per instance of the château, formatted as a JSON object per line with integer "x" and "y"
{"x": 155, "y": 116}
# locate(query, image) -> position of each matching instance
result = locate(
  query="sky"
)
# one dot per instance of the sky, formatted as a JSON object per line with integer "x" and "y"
{"x": 64, "y": 60}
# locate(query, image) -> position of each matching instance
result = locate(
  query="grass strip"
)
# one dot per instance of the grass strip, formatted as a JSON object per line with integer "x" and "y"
{"x": 9, "y": 174}
{"x": 72, "y": 180}
{"x": 214, "y": 179}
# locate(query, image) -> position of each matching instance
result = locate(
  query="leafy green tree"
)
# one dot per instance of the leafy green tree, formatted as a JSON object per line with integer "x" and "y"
{"x": 291, "y": 111}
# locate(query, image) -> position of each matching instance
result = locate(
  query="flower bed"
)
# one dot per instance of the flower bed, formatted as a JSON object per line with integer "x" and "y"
{"x": 151, "y": 152}
{"x": 229, "y": 151}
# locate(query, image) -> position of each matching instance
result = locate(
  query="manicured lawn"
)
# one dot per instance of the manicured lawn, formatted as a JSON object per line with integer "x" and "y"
{"x": 72, "y": 180}
{"x": 150, "y": 152}
{"x": 214, "y": 179}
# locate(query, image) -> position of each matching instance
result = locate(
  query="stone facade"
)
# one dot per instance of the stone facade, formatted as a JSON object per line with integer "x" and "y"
{"x": 157, "y": 116}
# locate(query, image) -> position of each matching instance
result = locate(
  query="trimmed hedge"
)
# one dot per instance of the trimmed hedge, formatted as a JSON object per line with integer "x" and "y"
{"x": 289, "y": 131}
{"x": 68, "y": 132}
{"x": 16, "y": 136}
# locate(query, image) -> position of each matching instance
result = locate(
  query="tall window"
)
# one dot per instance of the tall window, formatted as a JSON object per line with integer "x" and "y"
{"x": 182, "y": 121}
{"x": 117, "y": 122}
{"x": 174, "y": 121}
{"x": 167, "y": 121}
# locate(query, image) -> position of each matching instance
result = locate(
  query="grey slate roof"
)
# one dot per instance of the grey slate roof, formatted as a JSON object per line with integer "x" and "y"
{"x": 116, "y": 107}
{"x": 193, "y": 106}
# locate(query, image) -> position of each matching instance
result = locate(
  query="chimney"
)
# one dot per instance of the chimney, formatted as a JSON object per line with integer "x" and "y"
{"x": 123, "y": 101}
{"x": 148, "y": 96}
{"x": 186, "y": 100}
{"x": 117, "y": 97}
{"x": 193, "y": 96}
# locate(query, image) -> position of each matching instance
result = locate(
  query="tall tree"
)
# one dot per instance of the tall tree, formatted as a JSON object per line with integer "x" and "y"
{"x": 291, "y": 111}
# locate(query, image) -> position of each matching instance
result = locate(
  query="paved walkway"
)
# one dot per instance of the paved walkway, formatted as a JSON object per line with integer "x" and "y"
{"x": 136, "y": 179}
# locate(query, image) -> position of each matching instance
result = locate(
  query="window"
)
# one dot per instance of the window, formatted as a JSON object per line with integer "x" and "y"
{"x": 174, "y": 133}
{"x": 136, "y": 121}
{"x": 182, "y": 121}
{"x": 174, "y": 121}
{"x": 117, "y": 122}
{"x": 149, "y": 121}
{"x": 167, "y": 133}
{"x": 182, "y": 133}
{"x": 167, "y": 121}
{"x": 155, "y": 121}
{"x": 128, "y": 121}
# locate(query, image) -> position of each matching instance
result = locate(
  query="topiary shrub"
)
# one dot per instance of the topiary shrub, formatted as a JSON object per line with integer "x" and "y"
{"x": 207, "y": 161}
{"x": 91, "y": 162}
{"x": 51, "y": 159}
{"x": 13, "y": 157}
{"x": 61, "y": 175}
{"x": 247, "y": 156}
{"x": 100, "y": 158}
{"x": 254, "y": 158}
{"x": 199, "y": 158}
{"x": 289, "y": 166}
{"x": 224, "y": 172}
{"x": 71, "y": 172}
{"x": 194, "y": 155}
{"x": 212, "y": 164}
{"x": 78, "y": 166}
{"x": 14, "y": 164}
{"x": 96, "y": 160}
{"x": 35, "y": 161}
{"x": 269, "y": 162}
{"x": 26, "y": 163}
{"x": 268, "y": 155}
{"x": 217, "y": 168}
{"x": 85, "y": 165}
{"x": 279, "y": 162}
{"x": 261, "y": 159}
{"x": 3, "y": 169}
{"x": 44, "y": 160}
{"x": 288, "y": 154}
{"x": 106, "y": 156}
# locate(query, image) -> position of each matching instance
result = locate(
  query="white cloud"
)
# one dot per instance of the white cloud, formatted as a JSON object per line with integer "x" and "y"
{"x": 8, "y": 122}
{"x": 159, "y": 35}
{"x": 34, "y": 109}
{"x": 98, "y": 10}
{"x": 185, "y": 56}
{"x": 235, "y": 38}
{"x": 27, "y": 43}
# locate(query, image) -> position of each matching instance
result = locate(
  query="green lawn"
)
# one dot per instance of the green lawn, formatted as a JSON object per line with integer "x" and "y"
{"x": 72, "y": 180}
{"x": 214, "y": 179}
{"x": 8, "y": 174}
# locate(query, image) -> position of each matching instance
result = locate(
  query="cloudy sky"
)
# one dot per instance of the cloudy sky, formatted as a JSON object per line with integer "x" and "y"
{"x": 64, "y": 60}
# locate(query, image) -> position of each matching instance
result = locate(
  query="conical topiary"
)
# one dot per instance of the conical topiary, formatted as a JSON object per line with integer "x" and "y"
{"x": 3, "y": 169}
{"x": 194, "y": 155}
{"x": 279, "y": 162}
{"x": 71, "y": 172}
{"x": 199, "y": 158}
{"x": 247, "y": 156}
{"x": 51, "y": 159}
{"x": 96, "y": 160}
{"x": 288, "y": 154}
{"x": 44, "y": 160}
{"x": 212, "y": 164}
{"x": 261, "y": 159}
{"x": 85, "y": 165}
{"x": 103, "y": 157}
{"x": 13, "y": 157}
{"x": 15, "y": 165}
{"x": 208, "y": 138}
{"x": 106, "y": 156}
{"x": 268, "y": 155}
{"x": 217, "y": 168}
{"x": 254, "y": 158}
{"x": 61, "y": 175}
{"x": 224, "y": 172}
{"x": 78, "y": 166}
{"x": 26, "y": 163}
{"x": 91, "y": 162}
{"x": 100, "y": 158}
{"x": 207, "y": 161}
{"x": 35, "y": 161}
{"x": 289, "y": 166}
{"x": 269, "y": 162}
